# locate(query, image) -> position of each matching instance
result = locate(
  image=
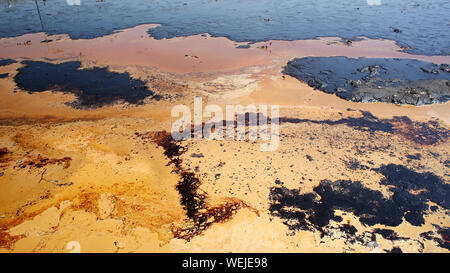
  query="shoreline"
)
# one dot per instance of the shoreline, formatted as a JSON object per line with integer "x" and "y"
{"x": 191, "y": 66}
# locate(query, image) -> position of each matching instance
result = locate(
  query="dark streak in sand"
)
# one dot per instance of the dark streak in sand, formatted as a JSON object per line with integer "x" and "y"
{"x": 423, "y": 133}
{"x": 200, "y": 215}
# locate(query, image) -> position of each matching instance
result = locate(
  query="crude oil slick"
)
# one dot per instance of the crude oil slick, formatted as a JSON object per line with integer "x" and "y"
{"x": 93, "y": 87}
{"x": 85, "y": 120}
{"x": 399, "y": 81}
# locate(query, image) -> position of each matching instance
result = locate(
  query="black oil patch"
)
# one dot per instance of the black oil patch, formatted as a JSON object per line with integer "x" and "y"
{"x": 4, "y": 62}
{"x": 427, "y": 185}
{"x": 416, "y": 156}
{"x": 353, "y": 164}
{"x": 445, "y": 237}
{"x": 315, "y": 210}
{"x": 418, "y": 27}
{"x": 425, "y": 133}
{"x": 94, "y": 87}
{"x": 399, "y": 81}
{"x": 441, "y": 237}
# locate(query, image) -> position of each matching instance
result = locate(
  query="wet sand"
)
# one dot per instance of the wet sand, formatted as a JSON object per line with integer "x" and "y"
{"x": 118, "y": 191}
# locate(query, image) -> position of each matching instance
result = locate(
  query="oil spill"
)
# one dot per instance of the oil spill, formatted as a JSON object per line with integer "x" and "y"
{"x": 171, "y": 148}
{"x": 4, "y": 62}
{"x": 349, "y": 233}
{"x": 200, "y": 214}
{"x": 93, "y": 87}
{"x": 441, "y": 237}
{"x": 3, "y": 152}
{"x": 7, "y": 241}
{"x": 244, "y": 119}
{"x": 428, "y": 185}
{"x": 395, "y": 250}
{"x": 4, "y": 157}
{"x": 41, "y": 161}
{"x": 424, "y": 133}
{"x": 417, "y": 26}
{"x": 315, "y": 210}
{"x": 388, "y": 234}
{"x": 445, "y": 237}
{"x": 399, "y": 81}
{"x": 353, "y": 164}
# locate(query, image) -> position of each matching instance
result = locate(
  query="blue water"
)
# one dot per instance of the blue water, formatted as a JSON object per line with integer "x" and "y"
{"x": 424, "y": 26}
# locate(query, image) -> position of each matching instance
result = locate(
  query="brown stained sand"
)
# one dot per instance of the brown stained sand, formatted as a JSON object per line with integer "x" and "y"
{"x": 121, "y": 192}
{"x": 289, "y": 92}
{"x": 199, "y": 211}
{"x": 138, "y": 183}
